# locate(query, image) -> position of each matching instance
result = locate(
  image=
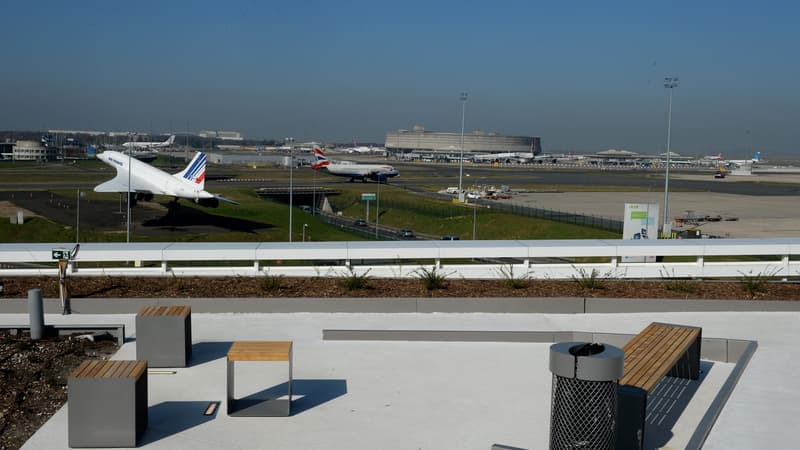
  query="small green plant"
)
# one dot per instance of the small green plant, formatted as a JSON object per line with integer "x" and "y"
{"x": 353, "y": 280}
{"x": 675, "y": 284}
{"x": 755, "y": 284}
{"x": 512, "y": 281}
{"x": 272, "y": 283}
{"x": 589, "y": 280}
{"x": 432, "y": 279}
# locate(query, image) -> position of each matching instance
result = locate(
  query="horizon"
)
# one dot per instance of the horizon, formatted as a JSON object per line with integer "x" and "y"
{"x": 584, "y": 79}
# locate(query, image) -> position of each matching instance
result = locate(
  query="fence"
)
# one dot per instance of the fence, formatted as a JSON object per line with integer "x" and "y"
{"x": 556, "y": 259}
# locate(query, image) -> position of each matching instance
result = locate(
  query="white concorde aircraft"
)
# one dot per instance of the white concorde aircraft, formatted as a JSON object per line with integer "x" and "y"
{"x": 150, "y": 145}
{"x": 376, "y": 172}
{"x": 146, "y": 180}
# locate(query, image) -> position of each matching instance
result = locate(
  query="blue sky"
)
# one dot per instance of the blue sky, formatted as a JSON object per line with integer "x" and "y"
{"x": 585, "y": 76}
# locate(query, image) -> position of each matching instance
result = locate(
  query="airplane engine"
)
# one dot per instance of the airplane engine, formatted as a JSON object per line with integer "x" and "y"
{"x": 207, "y": 202}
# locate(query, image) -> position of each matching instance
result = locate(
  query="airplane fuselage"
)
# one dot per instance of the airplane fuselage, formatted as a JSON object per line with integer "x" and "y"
{"x": 146, "y": 178}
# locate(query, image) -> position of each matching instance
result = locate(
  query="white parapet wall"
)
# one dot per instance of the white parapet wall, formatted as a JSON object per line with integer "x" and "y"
{"x": 544, "y": 259}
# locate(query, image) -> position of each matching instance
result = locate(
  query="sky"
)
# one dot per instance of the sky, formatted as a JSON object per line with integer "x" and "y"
{"x": 584, "y": 76}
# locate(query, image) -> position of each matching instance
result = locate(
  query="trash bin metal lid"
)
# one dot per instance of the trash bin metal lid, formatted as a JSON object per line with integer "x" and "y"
{"x": 586, "y": 361}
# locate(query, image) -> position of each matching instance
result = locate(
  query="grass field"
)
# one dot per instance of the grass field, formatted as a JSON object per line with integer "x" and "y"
{"x": 267, "y": 220}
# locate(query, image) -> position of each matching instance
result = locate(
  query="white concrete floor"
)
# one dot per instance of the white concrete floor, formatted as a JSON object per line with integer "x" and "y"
{"x": 425, "y": 395}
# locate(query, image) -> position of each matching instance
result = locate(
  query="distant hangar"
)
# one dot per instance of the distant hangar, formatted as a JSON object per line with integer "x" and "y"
{"x": 448, "y": 145}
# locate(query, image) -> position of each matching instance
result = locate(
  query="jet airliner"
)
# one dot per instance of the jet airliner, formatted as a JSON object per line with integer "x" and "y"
{"x": 150, "y": 145}
{"x": 376, "y": 172}
{"x": 143, "y": 181}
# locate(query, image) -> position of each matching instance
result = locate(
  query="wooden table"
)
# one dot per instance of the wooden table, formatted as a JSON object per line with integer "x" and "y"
{"x": 273, "y": 405}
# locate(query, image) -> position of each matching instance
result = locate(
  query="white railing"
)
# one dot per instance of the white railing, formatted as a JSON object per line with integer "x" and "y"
{"x": 562, "y": 259}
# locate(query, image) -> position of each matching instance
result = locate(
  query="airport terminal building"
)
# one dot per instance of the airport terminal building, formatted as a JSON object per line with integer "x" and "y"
{"x": 418, "y": 141}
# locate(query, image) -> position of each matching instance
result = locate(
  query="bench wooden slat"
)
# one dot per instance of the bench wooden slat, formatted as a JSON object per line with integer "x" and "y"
{"x": 654, "y": 352}
{"x": 634, "y": 356}
{"x": 260, "y": 351}
{"x": 109, "y": 369}
{"x": 652, "y": 358}
{"x": 646, "y": 354}
{"x": 662, "y": 361}
{"x": 156, "y": 311}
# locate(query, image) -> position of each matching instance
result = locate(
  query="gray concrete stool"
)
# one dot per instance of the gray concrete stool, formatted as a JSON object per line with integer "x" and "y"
{"x": 164, "y": 335}
{"x": 260, "y": 351}
{"x": 107, "y": 403}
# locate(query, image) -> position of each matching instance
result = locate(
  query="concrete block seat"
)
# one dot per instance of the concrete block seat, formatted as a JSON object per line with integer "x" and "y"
{"x": 107, "y": 403}
{"x": 164, "y": 335}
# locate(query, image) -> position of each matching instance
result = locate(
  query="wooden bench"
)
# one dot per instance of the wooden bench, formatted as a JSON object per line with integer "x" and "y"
{"x": 164, "y": 335}
{"x": 107, "y": 403}
{"x": 659, "y": 350}
{"x": 276, "y": 405}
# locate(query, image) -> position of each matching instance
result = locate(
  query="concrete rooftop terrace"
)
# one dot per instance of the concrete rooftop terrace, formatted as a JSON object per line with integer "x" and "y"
{"x": 436, "y": 395}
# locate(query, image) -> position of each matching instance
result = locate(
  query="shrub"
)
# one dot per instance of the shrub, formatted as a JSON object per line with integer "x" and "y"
{"x": 589, "y": 280}
{"x": 755, "y": 284}
{"x": 272, "y": 283}
{"x": 353, "y": 280}
{"x": 432, "y": 279}
{"x": 511, "y": 281}
{"x": 674, "y": 284}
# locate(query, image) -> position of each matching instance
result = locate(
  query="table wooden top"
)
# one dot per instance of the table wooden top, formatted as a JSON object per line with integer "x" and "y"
{"x": 96, "y": 368}
{"x": 156, "y": 311}
{"x": 260, "y": 351}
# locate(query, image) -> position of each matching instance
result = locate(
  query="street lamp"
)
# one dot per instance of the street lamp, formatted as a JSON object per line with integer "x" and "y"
{"x": 463, "y": 98}
{"x": 290, "y": 140}
{"x": 305, "y": 225}
{"x": 128, "y": 230}
{"x": 78, "y": 217}
{"x": 474, "y": 217}
{"x": 669, "y": 83}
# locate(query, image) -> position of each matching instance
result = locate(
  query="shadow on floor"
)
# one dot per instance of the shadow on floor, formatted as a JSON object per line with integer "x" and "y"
{"x": 168, "y": 418}
{"x": 665, "y": 405}
{"x": 311, "y": 393}
{"x": 204, "y": 352}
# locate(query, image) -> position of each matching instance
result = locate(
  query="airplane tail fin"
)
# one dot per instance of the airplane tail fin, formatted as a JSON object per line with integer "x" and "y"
{"x": 757, "y": 156}
{"x": 195, "y": 172}
{"x": 171, "y": 140}
{"x": 320, "y": 160}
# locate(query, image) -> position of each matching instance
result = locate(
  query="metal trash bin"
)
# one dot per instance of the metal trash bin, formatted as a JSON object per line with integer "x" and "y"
{"x": 583, "y": 406}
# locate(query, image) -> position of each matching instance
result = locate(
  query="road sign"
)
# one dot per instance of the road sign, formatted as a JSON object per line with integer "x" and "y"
{"x": 60, "y": 253}
{"x": 368, "y": 196}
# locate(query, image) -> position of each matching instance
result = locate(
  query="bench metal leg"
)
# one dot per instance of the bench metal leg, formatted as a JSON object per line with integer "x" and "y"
{"x": 631, "y": 412}
{"x": 688, "y": 366}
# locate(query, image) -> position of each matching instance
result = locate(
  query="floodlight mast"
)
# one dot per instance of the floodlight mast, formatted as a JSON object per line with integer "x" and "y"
{"x": 463, "y": 98}
{"x": 669, "y": 83}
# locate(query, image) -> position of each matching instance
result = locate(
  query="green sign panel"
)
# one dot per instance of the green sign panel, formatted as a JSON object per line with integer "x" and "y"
{"x": 638, "y": 214}
{"x": 60, "y": 253}
{"x": 367, "y": 197}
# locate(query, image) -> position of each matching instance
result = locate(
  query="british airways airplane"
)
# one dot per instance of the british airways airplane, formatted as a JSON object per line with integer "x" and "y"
{"x": 354, "y": 171}
{"x": 143, "y": 181}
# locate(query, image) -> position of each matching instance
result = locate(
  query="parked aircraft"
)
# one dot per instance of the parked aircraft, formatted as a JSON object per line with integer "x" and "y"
{"x": 716, "y": 157}
{"x": 743, "y": 162}
{"x": 150, "y": 145}
{"x": 376, "y": 172}
{"x": 147, "y": 181}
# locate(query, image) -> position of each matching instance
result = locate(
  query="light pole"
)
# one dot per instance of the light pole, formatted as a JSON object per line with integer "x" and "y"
{"x": 78, "y": 217}
{"x": 474, "y": 217}
{"x": 669, "y": 83}
{"x": 290, "y": 140}
{"x": 128, "y": 231}
{"x": 463, "y": 98}
{"x": 378, "y": 207}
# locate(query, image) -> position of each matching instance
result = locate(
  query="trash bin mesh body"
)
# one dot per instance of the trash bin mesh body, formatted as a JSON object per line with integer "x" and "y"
{"x": 582, "y": 414}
